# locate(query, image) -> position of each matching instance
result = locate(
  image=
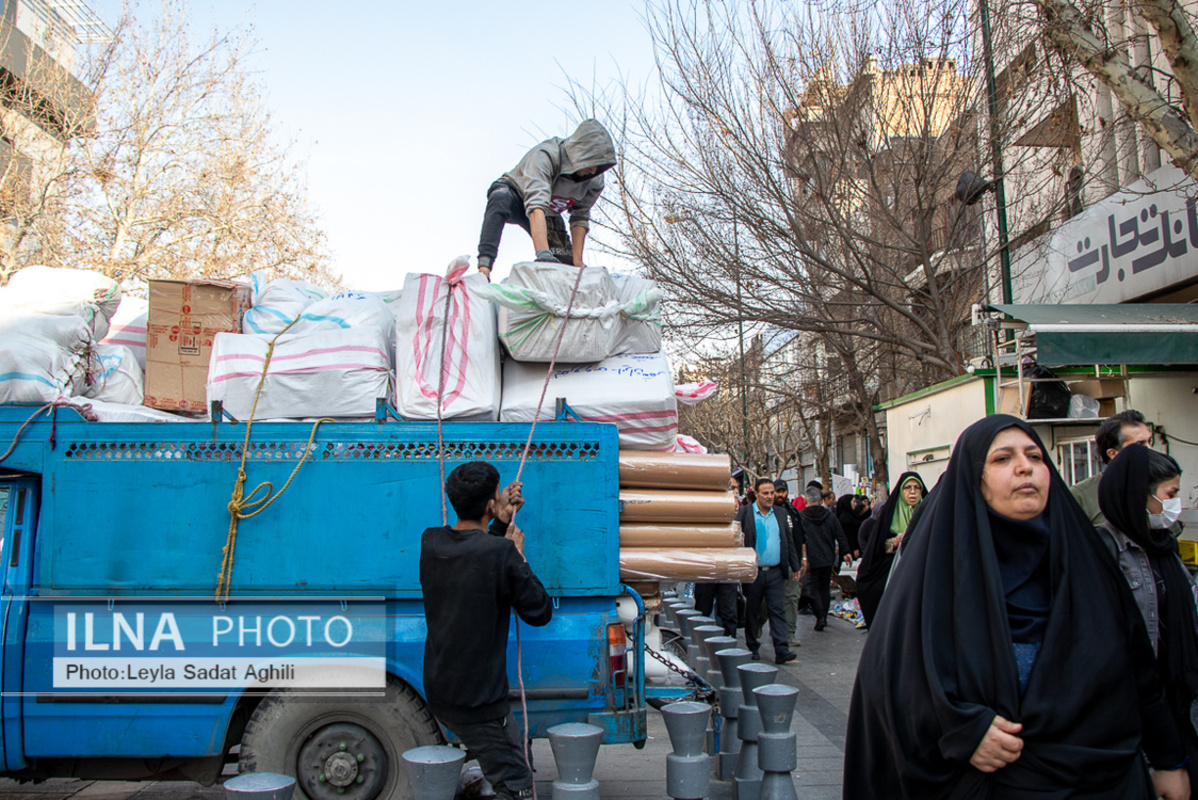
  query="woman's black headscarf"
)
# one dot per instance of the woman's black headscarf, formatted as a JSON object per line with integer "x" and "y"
{"x": 1123, "y": 498}
{"x": 939, "y": 663}
{"x": 849, "y": 521}
{"x": 874, "y": 569}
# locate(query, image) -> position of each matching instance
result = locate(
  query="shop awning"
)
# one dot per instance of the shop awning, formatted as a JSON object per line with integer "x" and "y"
{"x": 1127, "y": 333}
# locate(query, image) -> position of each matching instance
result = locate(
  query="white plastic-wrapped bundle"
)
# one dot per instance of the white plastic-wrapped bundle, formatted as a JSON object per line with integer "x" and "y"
{"x": 532, "y": 309}
{"x": 335, "y": 373}
{"x": 348, "y": 310}
{"x": 62, "y": 292}
{"x": 636, "y": 393}
{"x": 128, "y": 327}
{"x": 34, "y": 369}
{"x": 114, "y": 375}
{"x": 472, "y": 380}
{"x": 123, "y": 412}
{"x": 70, "y": 332}
{"x": 276, "y": 304}
{"x": 640, "y": 315}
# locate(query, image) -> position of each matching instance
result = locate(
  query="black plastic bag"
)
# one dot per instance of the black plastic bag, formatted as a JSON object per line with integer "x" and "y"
{"x": 1050, "y": 399}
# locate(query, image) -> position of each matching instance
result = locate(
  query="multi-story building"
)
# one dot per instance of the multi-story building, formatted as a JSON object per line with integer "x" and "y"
{"x": 43, "y": 103}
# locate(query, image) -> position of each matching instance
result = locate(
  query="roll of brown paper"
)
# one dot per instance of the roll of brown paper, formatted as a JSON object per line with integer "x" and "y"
{"x": 645, "y": 535}
{"x": 668, "y": 505}
{"x": 675, "y": 470}
{"x": 729, "y": 564}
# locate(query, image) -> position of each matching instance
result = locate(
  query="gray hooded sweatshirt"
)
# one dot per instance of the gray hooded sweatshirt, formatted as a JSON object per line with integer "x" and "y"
{"x": 541, "y": 180}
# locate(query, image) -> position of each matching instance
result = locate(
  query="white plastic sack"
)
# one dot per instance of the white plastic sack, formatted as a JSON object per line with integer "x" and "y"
{"x": 36, "y": 370}
{"x": 277, "y": 303}
{"x": 640, "y": 315}
{"x": 348, "y": 310}
{"x": 472, "y": 380}
{"x": 70, "y": 332}
{"x": 336, "y": 373}
{"x": 114, "y": 375}
{"x": 636, "y": 393}
{"x": 63, "y": 292}
{"x": 532, "y": 308}
{"x": 128, "y": 327}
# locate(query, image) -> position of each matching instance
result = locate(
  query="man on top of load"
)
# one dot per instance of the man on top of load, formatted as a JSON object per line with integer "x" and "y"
{"x": 473, "y": 575}
{"x": 556, "y": 176}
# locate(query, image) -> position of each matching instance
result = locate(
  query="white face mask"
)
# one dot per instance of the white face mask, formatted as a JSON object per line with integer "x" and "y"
{"x": 1170, "y": 512}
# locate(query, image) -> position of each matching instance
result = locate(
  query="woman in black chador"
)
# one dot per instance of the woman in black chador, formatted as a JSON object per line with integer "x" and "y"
{"x": 1009, "y": 659}
{"x": 1135, "y": 494}
{"x": 881, "y": 539}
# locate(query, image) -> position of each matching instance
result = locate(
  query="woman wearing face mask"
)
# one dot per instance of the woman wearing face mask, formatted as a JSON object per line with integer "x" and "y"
{"x": 1138, "y": 495}
{"x": 878, "y": 544}
{"x": 1009, "y": 660}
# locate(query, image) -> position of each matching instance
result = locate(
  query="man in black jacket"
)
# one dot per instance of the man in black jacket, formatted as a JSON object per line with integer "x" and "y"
{"x": 794, "y": 588}
{"x": 472, "y": 579}
{"x": 767, "y": 530}
{"x": 824, "y": 536}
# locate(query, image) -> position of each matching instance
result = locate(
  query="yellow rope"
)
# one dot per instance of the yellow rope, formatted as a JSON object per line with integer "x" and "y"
{"x": 239, "y": 503}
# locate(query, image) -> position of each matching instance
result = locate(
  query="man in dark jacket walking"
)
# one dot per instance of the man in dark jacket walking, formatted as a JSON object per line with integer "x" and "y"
{"x": 824, "y": 537}
{"x": 794, "y": 588}
{"x": 556, "y": 176}
{"x": 472, "y": 579}
{"x": 767, "y": 530}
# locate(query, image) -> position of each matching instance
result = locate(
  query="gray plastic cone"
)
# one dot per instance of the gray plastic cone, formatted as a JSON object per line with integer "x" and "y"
{"x": 260, "y": 786}
{"x": 433, "y": 771}
{"x": 575, "y": 748}
{"x": 687, "y": 768}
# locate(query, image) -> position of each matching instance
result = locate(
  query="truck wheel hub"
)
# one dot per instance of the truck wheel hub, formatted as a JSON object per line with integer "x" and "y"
{"x": 343, "y": 760}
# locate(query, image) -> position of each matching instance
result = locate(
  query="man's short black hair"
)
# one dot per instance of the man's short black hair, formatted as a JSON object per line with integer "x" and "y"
{"x": 757, "y": 483}
{"x": 1110, "y": 432}
{"x": 470, "y": 487}
{"x": 780, "y": 486}
{"x": 816, "y": 484}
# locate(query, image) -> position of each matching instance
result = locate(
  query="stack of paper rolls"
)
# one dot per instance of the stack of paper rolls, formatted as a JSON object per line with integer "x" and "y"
{"x": 677, "y": 520}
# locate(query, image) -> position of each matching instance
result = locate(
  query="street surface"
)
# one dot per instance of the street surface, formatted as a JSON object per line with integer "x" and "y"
{"x": 824, "y": 675}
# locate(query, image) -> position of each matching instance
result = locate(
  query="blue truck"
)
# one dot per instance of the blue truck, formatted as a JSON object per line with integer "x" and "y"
{"x": 118, "y": 660}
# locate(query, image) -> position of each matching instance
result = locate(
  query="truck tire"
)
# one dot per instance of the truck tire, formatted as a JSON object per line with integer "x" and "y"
{"x": 339, "y": 748}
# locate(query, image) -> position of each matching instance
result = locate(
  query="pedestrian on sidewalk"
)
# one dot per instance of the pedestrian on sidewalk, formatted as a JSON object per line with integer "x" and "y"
{"x": 555, "y": 177}
{"x": 1009, "y": 660}
{"x": 794, "y": 588}
{"x": 881, "y": 541}
{"x": 472, "y": 576}
{"x": 826, "y": 545}
{"x": 1139, "y": 497}
{"x": 767, "y": 530}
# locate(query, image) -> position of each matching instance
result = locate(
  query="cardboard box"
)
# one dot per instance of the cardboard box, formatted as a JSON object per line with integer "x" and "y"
{"x": 1098, "y": 388}
{"x": 184, "y": 317}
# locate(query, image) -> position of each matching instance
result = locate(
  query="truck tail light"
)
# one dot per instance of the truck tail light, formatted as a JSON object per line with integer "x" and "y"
{"x": 617, "y": 647}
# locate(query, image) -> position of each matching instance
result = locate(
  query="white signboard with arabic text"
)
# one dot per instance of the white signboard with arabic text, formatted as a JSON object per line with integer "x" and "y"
{"x": 1134, "y": 243}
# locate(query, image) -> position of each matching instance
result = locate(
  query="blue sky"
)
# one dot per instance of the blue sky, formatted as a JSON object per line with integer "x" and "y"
{"x": 404, "y": 112}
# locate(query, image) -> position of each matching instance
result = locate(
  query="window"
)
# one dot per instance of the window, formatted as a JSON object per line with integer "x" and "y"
{"x": 1079, "y": 460}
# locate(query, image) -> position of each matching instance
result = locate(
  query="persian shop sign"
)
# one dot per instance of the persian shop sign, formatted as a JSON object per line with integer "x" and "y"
{"x": 1138, "y": 241}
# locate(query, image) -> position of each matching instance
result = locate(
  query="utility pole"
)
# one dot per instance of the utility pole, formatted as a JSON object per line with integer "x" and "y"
{"x": 740, "y": 328}
{"x": 1000, "y": 194}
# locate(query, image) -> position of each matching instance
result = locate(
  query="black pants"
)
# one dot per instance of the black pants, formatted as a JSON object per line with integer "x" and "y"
{"x": 770, "y": 584}
{"x": 505, "y": 206}
{"x": 722, "y": 598}
{"x": 498, "y": 746}
{"x": 821, "y": 580}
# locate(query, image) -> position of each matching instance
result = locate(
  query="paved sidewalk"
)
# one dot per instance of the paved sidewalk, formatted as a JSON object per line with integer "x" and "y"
{"x": 824, "y": 675}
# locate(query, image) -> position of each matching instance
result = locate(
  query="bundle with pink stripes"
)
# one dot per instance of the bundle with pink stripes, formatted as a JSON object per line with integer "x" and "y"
{"x": 128, "y": 327}
{"x": 336, "y": 373}
{"x": 466, "y": 374}
{"x": 635, "y": 392}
